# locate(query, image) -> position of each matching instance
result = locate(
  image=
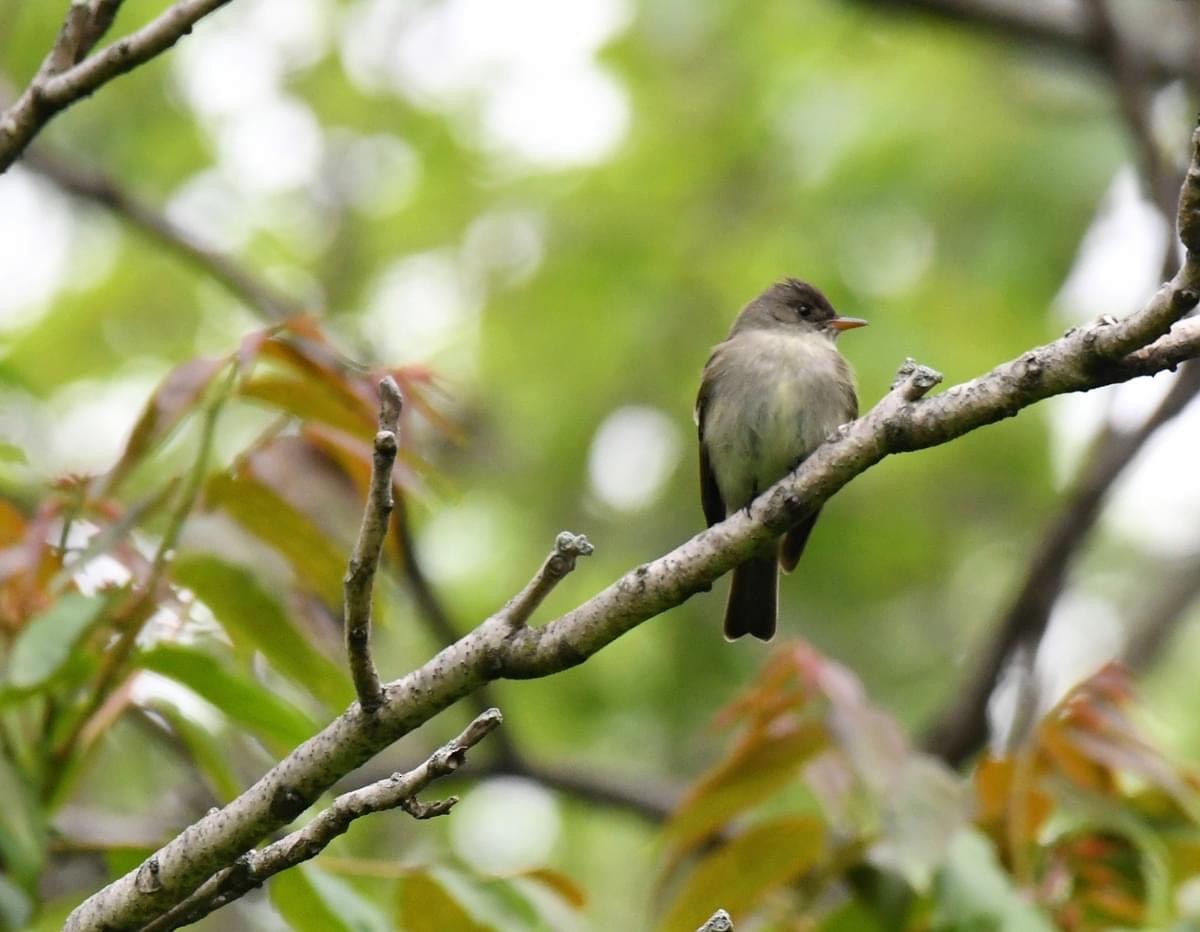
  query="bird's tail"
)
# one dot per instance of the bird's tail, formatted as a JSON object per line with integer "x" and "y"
{"x": 753, "y": 594}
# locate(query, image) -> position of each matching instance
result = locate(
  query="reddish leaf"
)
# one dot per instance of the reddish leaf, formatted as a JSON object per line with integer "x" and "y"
{"x": 170, "y": 402}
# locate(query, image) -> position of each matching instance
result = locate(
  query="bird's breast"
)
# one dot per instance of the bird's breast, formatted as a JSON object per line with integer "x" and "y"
{"x": 774, "y": 399}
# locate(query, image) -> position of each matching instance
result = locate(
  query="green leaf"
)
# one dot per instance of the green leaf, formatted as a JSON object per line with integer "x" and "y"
{"x": 312, "y": 900}
{"x": 22, "y": 828}
{"x": 15, "y": 906}
{"x": 255, "y": 620}
{"x": 974, "y": 892}
{"x": 923, "y": 815}
{"x": 448, "y": 898}
{"x": 318, "y": 564}
{"x": 738, "y": 875}
{"x": 45, "y": 646}
{"x": 207, "y": 750}
{"x": 429, "y": 905}
{"x": 237, "y": 695}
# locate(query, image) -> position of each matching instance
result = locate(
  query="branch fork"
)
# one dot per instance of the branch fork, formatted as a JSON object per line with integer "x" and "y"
{"x": 558, "y": 565}
{"x": 399, "y": 791}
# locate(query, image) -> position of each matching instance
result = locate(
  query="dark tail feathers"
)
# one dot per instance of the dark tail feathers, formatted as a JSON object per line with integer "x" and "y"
{"x": 753, "y": 594}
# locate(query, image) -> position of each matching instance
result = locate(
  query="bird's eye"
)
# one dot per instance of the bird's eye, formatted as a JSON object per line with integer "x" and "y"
{"x": 805, "y": 310}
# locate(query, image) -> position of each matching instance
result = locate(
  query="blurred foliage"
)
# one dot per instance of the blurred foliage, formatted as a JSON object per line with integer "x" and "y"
{"x": 170, "y": 569}
{"x": 820, "y": 811}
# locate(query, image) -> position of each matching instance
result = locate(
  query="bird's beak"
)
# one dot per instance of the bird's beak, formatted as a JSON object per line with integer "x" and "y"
{"x": 847, "y": 323}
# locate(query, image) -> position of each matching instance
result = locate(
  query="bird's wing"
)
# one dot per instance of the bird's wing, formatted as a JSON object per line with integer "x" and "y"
{"x": 710, "y": 493}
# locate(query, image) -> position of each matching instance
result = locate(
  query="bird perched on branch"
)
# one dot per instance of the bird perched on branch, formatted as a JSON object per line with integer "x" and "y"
{"x": 769, "y": 396}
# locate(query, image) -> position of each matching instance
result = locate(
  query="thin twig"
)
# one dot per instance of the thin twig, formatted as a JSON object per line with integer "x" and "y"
{"x": 561, "y": 561}
{"x": 91, "y": 185}
{"x": 55, "y": 87}
{"x": 1134, "y": 98}
{"x": 647, "y": 797}
{"x": 399, "y": 791}
{"x": 359, "y": 582}
{"x": 104, "y": 12}
{"x": 1171, "y": 603}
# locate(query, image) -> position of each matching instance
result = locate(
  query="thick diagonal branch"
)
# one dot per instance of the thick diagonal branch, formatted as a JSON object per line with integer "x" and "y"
{"x": 399, "y": 791}
{"x": 359, "y": 583}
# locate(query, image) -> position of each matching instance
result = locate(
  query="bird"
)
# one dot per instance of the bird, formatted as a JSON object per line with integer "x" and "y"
{"x": 770, "y": 394}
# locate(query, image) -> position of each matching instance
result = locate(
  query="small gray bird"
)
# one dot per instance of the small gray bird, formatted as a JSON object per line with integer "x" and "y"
{"x": 769, "y": 396}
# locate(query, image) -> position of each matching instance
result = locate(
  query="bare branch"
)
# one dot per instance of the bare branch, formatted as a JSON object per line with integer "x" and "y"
{"x": 360, "y": 574}
{"x": 67, "y": 48}
{"x": 567, "y": 548}
{"x": 962, "y": 728}
{"x": 56, "y": 87}
{"x": 719, "y": 921}
{"x": 103, "y": 14}
{"x": 1134, "y": 99}
{"x": 399, "y": 791}
{"x": 100, "y": 188}
{"x": 1161, "y": 49}
{"x": 1173, "y": 599}
{"x": 902, "y": 421}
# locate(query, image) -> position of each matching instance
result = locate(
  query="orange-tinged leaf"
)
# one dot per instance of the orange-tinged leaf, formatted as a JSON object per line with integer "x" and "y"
{"x": 737, "y": 876}
{"x": 316, "y": 561}
{"x": 1064, "y": 756}
{"x": 316, "y": 360}
{"x": 566, "y": 888}
{"x": 993, "y": 780}
{"x": 760, "y": 765}
{"x": 311, "y": 400}
{"x": 12, "y": 524}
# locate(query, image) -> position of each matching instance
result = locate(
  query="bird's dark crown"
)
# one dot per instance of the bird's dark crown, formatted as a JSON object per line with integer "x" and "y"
{"x": 790, "y": 302}
{"x": 804, "y": 299}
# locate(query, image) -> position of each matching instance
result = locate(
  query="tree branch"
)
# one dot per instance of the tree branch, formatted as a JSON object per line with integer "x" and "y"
{"x": 902, "y": 421}
{"x": 643, "y": 796}
{"x": 100, "y": 188}
{"x": 719, "y": 921}
{"x": 1164, "y": 53}
{"x": 962, "y": 727}
{"x": 64, "y": 79}
{"x": 1170, "y": 605}
{"x": 359, "y": 581}
{"x": 399, "y": 791}
{"x": 648, "y": 798}
{"x": 1134, "y": 99}
{"x": 567, "y": 547}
